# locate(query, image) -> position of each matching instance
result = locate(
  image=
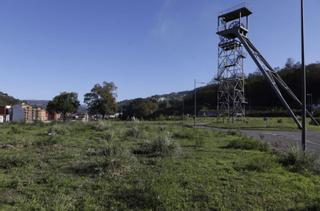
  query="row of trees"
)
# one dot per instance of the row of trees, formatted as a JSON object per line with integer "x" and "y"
{"x": 101, "y": 100}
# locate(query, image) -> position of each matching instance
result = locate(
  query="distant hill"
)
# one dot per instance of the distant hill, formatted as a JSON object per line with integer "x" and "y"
{"x": 164, "y": 97}
{"x": 37, "y": 103}
{"x": 6, "y": 99}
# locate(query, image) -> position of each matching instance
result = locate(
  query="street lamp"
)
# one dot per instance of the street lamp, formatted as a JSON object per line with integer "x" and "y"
{"x": 304, "y": 94}
{"x": 195, "y": 100}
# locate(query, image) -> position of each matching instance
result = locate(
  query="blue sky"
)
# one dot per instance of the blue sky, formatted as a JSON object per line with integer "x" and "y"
{"x": 145, "y": 47}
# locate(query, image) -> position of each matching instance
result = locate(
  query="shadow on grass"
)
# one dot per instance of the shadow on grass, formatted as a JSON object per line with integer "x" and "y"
{"x": 245, "y": 143}
{"x": 139, "y": 196}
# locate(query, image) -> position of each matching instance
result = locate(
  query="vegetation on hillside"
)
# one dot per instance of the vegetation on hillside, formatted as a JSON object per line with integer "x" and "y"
{"x": 260, "y": 97}
{"x": 5, "y": 99}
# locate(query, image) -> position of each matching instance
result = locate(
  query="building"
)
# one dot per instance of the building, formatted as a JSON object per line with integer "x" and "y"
{"x": 18, "y": 113}
{"x": 40, "y": 114}
{"x": 5, "y": 114}
{"x": 27, "y": 113}
{"x": 53, "y": 116}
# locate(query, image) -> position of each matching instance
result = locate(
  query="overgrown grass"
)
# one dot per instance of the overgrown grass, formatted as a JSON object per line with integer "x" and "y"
{"x": 297, "y": 161}
{"x": 245, "y": 143}
{"x": 147, "y": 166}
{"x": 162, "y": 145}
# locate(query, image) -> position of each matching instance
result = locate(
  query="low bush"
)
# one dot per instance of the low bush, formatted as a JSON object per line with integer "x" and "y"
{"x": 297, "y": 161}
{"x": 160, "y": 146}
{"x": 248, "y": 144}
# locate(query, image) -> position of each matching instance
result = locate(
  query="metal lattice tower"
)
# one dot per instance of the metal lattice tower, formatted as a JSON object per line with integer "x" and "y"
{"x": 231, "y": 94}
{"x": 233, "y": 30}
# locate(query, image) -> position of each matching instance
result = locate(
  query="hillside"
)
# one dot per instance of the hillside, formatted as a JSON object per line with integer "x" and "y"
{"x": 259, "y": 95}
{"x": 6, "y": 99}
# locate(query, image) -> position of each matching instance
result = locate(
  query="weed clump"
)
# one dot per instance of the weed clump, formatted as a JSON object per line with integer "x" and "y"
{"x": 160, "y": 146}
{"x": 248, "y": 144}
{"x": 297, "y": 161}
{"x": 134, "y": 132}
{"x": 58, "y": 129}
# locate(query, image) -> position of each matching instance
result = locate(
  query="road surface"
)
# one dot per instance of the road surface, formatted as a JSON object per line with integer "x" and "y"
{"x": 281, "y": 139}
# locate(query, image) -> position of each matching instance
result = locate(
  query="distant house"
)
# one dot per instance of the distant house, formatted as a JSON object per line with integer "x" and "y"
{"x": 4, "y": 114}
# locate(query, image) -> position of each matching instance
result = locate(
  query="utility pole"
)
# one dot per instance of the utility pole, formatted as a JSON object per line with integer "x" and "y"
{"x": 304, "y": 93}
{"x": 195, "y": 100}
{"x": 195, "y": 103}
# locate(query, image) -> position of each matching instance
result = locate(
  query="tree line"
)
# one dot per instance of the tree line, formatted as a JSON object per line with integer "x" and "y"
{"x": 101, "y": 100}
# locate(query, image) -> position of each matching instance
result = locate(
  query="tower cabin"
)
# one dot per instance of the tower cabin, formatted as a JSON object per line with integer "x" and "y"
{"x": 232, "y": 21}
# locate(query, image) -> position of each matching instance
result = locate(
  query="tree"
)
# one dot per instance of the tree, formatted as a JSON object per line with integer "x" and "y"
{"x": 290, "y": 63}
{"x": 140, "y": 108}
{"x": 65, "y": 103}
{"x": 102, "y": 99}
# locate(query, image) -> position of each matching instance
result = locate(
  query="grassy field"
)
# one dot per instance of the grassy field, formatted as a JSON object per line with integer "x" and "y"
{"x": 258, "y": 123}
{"x": 147, "y": 166}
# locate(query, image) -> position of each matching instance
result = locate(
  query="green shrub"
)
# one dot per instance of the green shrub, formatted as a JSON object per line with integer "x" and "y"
{"x": 248, "y": 144}
{"x": 160, "y": 146}
{"x": 297, "y": 161}
{"x": 279, "y": 121}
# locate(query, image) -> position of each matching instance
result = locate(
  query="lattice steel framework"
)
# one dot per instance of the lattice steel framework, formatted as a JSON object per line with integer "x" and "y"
{"x": 233, "y": 29}
{"x": 231, "y": 94}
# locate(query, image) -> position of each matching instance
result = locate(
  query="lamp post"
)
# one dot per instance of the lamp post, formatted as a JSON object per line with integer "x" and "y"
{"x": 303, "y": 70}
{"x": 195, "y": 100}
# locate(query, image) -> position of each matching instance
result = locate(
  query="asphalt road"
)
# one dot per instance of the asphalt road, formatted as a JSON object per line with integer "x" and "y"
{"x": 285, "y": 139}
{"x": 281, "y": 139}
